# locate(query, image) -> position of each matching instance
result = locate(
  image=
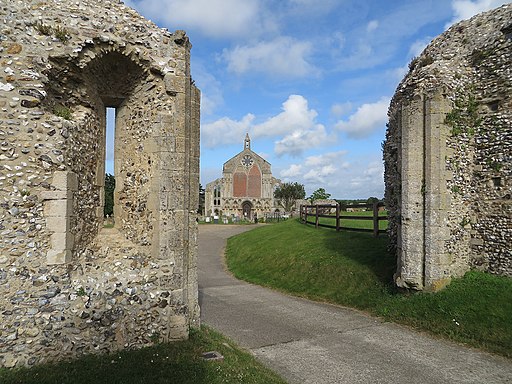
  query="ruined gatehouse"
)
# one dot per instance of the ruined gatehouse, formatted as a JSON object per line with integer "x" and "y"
{"x": 67, "y": 284}
{"x": 448, "y": 155}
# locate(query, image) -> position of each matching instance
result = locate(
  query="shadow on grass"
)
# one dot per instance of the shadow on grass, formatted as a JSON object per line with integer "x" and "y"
{"x": 177, "y": 362}
{"x": 148, "y": 365}
{"x": 364, "y": 249}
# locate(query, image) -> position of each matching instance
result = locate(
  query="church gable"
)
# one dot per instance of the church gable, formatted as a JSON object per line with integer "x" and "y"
{"x": 246, "y": 158}
{"x": 247, "y": 186}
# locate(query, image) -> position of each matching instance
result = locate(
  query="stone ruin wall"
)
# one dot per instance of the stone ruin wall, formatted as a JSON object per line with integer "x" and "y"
{"x": 68, "y": 286}
{"x": 448, "y": 156}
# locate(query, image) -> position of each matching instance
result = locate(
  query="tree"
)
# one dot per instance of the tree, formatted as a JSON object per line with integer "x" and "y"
{"x": 288, "y": 193}
{"x": 110, "y": 185}
{"x": 319, "y": 194}
{"x": 372, "y": 200}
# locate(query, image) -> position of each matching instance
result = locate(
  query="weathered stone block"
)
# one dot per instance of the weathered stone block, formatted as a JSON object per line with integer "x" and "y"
{"x": 65, "y": 180}
{"x": 58, "y": 257}
{"x": 58, "y": 224}
{"x": 58, "y": 208}
{"x": 62, "y": 240}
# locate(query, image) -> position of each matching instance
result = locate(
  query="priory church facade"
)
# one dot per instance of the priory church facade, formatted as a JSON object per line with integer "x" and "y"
{"x": 246, "y": 188}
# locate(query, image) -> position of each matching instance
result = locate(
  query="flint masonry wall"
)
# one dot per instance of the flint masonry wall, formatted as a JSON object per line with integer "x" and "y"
{"x": 448, "y": 164}
{"x": 67, "y": 285}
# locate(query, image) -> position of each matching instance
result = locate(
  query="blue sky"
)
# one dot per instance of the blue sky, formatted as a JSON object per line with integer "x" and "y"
{"x": 309, "y": 80}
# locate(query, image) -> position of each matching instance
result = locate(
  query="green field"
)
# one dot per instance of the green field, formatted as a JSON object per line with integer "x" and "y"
{"x": 179, "y": 362}
{"x": 356, "y": 270}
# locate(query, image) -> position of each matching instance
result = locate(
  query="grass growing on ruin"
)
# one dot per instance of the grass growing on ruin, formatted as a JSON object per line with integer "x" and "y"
{"x": 178, "y": 362}
{"x": 355, "y": 270}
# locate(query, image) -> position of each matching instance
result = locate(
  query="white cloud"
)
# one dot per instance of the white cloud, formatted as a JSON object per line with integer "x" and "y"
{"x": 342, "y": 174}
{"x": 213, "y": 18}
{"x": 292, "y": 171}
{"x": 296, "y": 127}
{"x": 319, "y": 171}
{"x": 296, "y": 116}
{"x": 372, "y": 26}
{"x": 319, "y": 175}
{"x": 340, "y": 109}
{"x": 321, "y": 167}
{"x": 370, "y": 179}
{"x": 465, "y": 9}
{"x": 367, "y": 119}
{"x": 324, "y": 159}
{"x": 225, "y": 131}
{"x": 283, "y": 56}
{"x": 299, "y": 141}
{"x": 297, "y": 122}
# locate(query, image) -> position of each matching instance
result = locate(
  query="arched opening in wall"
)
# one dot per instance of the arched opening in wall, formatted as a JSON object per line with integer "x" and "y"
{"x": 105, "y": 85}
{"x": 114, "y": 78}
{"x": 246, "y": 209}
{"x": 110, "y": 182}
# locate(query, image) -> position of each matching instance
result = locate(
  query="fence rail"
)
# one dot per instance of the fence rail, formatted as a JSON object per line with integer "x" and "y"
{"x": 325, "y": 210}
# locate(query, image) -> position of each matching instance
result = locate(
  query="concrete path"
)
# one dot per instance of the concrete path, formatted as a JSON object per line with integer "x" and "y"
{"x": 308, "y": 342}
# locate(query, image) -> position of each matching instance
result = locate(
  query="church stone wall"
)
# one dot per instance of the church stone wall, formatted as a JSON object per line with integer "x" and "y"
{"x": 246, "y": 181}
{"x": 448, "y": 169}
{"x": 67, "y": 285}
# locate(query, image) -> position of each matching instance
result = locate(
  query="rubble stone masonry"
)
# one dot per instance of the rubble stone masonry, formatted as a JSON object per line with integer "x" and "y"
{"x": 448, "y": 156}
{"x": 67, "y": 285}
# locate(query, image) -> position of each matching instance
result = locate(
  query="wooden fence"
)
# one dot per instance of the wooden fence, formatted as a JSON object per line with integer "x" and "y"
{"x": 325, "y": 210}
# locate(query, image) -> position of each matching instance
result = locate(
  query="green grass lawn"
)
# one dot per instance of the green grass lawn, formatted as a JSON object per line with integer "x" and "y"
{"x": 355, "y": 269}
{"x": 178, "y": 362}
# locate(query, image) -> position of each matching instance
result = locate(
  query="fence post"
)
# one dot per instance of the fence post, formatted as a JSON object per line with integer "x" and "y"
{"x": 375, "y": 219}
{"x": 316, "y": 213}
{"x": 337, "y": 217}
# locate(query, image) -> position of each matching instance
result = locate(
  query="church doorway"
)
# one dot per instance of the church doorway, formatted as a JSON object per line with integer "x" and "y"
{"x": 246, "y": 209}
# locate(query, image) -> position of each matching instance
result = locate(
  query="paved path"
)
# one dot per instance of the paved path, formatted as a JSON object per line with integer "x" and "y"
{"x": 308, "y": 342}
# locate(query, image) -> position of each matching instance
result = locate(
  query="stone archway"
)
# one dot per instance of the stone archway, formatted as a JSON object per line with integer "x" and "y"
{"x": 247, "y": 209}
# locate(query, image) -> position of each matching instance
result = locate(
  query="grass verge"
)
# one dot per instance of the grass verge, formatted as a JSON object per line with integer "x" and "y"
{"x": 178, "y": 362}
{"x": 355, "y": 270}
